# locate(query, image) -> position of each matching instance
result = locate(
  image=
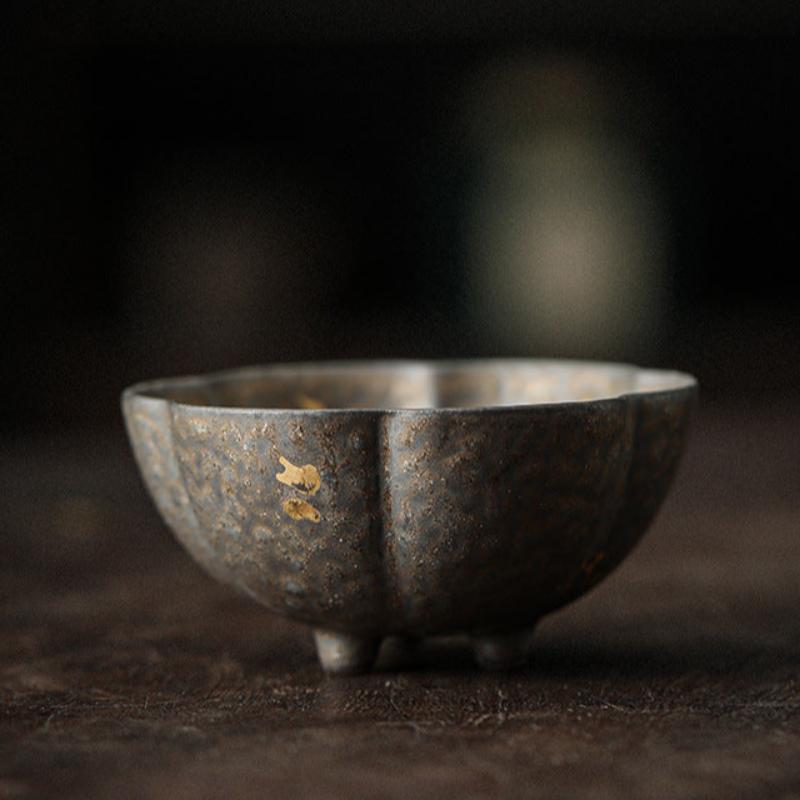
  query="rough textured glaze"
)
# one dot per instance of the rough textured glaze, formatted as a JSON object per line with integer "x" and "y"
{"x": 412, "y": 499}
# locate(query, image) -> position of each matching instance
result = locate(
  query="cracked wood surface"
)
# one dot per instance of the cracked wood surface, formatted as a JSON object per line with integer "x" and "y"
{"x": 125, "y": 672}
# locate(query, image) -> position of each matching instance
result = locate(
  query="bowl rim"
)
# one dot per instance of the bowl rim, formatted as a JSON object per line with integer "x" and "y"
{"x": 678, "y": 383}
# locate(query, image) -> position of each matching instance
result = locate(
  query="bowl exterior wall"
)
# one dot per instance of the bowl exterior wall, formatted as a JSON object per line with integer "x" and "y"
{"x": 418, "y": 522}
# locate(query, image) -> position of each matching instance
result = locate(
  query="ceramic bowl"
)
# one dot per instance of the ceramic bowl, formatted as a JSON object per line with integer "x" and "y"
{"x": 412, "y": 499}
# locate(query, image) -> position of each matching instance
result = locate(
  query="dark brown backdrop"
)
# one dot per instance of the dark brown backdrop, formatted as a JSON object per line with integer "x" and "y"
{"x": 186, "y": 188}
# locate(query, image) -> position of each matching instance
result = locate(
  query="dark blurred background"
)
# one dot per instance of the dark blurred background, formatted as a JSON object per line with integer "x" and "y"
{"x": 187, "y": 189}
{"x": 189, "y": 186}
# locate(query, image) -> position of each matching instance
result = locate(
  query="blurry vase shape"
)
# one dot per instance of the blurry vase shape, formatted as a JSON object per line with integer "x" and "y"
{"x": 564, "y": 236}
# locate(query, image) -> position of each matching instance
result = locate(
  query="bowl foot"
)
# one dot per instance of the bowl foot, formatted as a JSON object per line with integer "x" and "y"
{"x": 501, "y": 651}
{"x": 345, "y": 653}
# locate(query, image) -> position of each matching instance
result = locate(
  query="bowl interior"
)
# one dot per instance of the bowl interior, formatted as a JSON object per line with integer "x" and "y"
{"x": 405, "y": 385}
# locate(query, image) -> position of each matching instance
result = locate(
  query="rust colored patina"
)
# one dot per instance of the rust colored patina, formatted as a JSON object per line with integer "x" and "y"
{"x": 412, "y": 499}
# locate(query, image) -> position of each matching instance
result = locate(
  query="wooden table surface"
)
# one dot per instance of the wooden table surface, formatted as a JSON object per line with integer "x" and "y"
{"x": 126, "y": 673}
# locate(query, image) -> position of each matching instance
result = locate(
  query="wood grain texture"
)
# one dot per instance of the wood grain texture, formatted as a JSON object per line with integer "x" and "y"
{"x": 127, "y": 673}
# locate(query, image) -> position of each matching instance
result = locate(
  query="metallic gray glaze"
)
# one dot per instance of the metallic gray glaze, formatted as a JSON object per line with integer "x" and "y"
{"x": 371, "y": 511}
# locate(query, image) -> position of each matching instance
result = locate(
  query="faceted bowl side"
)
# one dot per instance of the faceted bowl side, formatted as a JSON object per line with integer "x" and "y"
{"x": 369, "y": 522}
